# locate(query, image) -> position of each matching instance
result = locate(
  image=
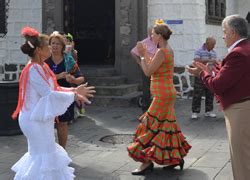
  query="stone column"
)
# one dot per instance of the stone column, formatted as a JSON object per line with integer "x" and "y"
{"x": 130, "y": 27}
{"x": 52, "y": 16}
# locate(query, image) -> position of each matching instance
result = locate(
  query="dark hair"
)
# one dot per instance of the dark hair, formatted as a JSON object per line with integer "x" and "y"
{"x": 32, "y": 42}
{"x": 30, "y": 45}
{"x": 163, "y": 30}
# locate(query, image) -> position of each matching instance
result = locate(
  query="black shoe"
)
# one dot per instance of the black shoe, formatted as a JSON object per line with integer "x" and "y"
{"x": 149, "y": 168}
{"x": 181, "y": 164}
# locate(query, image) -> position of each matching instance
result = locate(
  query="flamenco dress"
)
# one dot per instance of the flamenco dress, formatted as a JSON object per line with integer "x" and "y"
{"x": 159, "y": 137}
{"x": 40, "y": 101}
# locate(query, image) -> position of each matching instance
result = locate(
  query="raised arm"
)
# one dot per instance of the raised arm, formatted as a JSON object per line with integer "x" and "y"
{"x": 156, "y": 62}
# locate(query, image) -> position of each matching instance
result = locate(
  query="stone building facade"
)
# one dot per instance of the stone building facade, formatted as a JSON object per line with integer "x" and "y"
{"x": 20, "y": 14}
{"x": 131, "y": 19}
{"x": 192, "y": 33}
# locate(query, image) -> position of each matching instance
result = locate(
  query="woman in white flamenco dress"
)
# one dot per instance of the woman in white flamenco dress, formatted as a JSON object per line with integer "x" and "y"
{"x": 41, "y": 101}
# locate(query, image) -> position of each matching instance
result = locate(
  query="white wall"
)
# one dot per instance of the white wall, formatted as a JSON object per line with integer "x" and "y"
{"x": 187, "y": 36}
{"x": 21, "y": 13}
{"x": 244, "y": 7}
{"x": 192, "y": 33}
{"x": 241, "y": 7}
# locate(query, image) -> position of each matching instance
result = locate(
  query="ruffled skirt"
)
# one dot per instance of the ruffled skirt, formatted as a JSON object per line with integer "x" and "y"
{"x": 158, "y": 140}
{"x": 48, "y": 166}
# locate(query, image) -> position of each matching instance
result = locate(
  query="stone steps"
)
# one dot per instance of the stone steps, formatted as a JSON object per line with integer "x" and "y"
{"x": 98, "y": 71}
{"x": 127, "y": 100}
{"x": 112, "y": 90}
{"x": 118, "y": 90}
{"x": 107, "y": 81}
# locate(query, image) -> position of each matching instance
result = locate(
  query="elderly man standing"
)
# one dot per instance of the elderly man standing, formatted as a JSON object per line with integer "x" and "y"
{"x": 205, "y": 55}
{"x": 230, "y": 81}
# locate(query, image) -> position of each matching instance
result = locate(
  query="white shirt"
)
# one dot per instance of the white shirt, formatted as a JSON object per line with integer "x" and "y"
{"x": 234, "y": 44}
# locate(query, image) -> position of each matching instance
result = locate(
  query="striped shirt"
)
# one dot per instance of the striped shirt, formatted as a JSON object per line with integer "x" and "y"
{"x": 203, "y": 54}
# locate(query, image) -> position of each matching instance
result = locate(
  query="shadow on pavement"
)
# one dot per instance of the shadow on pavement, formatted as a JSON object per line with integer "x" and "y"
{"x": 186, "y": 174}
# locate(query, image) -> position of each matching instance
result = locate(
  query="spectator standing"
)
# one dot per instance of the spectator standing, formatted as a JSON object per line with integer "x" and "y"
{"x": 79, "y": 110}
{"x": 206, "y": 55}
{"x": 230, "y": 81}
{"x": 67, "y": 74}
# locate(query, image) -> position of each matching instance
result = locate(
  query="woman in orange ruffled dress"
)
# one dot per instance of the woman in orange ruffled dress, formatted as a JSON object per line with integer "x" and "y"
{"x": 158, "y": 137}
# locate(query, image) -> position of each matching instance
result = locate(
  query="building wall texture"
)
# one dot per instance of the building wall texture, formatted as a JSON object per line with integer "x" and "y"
{"x": 190, "y": 35}
{"x": 126, "y": 38}
{"x": 187, "y": 37}
{"x": 52, "y": 15}
{"x": 21, "y": 13}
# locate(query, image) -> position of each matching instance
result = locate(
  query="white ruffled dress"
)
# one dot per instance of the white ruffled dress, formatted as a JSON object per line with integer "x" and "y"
{"x": 45, "y": 159}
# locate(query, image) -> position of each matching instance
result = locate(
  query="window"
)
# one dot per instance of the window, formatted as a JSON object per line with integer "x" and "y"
{"x": 215, "y": 11}
{"x": 3, "y": 17}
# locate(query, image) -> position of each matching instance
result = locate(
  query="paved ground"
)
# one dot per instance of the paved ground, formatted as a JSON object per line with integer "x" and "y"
{"x": 96, "y": 160}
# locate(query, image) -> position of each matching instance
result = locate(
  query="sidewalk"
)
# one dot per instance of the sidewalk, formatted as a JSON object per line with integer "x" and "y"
{"x": 95, "y": 160}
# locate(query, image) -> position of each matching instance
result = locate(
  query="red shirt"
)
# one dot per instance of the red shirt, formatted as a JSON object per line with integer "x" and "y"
{"x": 231, "y": 83}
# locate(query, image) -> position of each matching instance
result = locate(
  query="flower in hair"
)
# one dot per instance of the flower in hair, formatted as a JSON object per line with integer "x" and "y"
{"x": 159, "y": 22}
{"x": 28, "y": 31}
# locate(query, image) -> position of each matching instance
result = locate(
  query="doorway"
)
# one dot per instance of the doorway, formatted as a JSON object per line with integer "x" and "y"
{"x": 92, "y": 24}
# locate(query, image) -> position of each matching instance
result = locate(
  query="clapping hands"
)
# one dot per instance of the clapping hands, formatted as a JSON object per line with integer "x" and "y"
{"x": 141, "y": 48}
{"x": 197, "y": 68}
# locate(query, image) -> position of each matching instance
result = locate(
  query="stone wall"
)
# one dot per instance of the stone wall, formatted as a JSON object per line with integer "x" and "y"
{"x": 125, "y": 22}
{"x": 126, "y": 38}
{"x": 21, "y": 13}
{"x": 190, "y": 35}
{"x": 52, "y": 15}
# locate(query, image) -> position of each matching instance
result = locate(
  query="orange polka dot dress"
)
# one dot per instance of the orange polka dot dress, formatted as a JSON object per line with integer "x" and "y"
{"x": 159, "y": 138}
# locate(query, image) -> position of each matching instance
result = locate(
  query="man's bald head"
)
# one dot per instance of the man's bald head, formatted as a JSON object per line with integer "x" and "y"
{"x": 210, "y": 43}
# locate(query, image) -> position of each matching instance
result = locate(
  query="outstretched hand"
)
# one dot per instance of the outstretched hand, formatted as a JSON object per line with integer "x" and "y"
{"x": 84, "y": 92}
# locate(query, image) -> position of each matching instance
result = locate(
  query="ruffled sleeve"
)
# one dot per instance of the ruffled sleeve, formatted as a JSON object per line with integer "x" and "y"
{"x": 51, "y": 103}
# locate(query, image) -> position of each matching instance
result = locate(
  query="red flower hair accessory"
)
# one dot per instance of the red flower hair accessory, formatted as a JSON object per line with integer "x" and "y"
{"x": 28, "y": 31}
